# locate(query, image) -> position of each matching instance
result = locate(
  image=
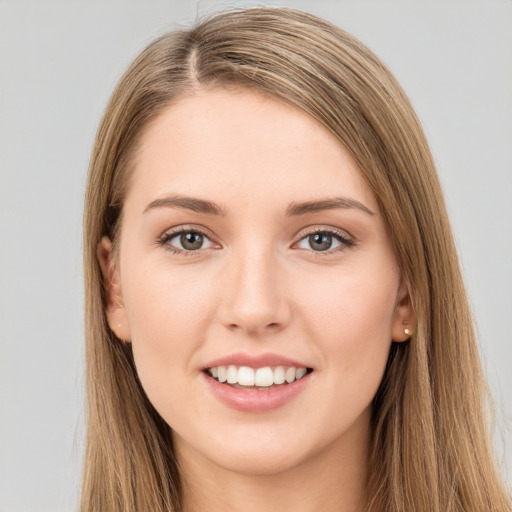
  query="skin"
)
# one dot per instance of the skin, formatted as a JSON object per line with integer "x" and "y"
{"x": 257, "y": 285}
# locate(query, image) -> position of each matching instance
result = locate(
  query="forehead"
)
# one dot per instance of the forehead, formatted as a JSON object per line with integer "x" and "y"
{"x": 240, "y": 146}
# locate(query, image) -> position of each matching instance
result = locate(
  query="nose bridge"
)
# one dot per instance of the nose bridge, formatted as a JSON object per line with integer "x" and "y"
{"x": 254, "y": 299}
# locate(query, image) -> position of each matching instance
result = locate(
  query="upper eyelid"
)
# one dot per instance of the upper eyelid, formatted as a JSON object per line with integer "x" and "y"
{"x": 323, "y": 229}
{"x": 301, "y": 234}
{"x": 170, "y": 233}
{"x": 176, "y": 230}
{"x": 345, "y": 239}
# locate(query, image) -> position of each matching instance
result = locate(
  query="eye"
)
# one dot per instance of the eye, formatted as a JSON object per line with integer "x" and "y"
{"x": 325, "y": 240}
{"x": 186, "y": 241}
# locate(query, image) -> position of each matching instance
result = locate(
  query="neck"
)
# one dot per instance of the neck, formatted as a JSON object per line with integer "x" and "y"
{"x": 332, "y": 479}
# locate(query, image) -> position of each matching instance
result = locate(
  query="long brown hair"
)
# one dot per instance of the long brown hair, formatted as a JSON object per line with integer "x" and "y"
{"x": 431, "y": 447}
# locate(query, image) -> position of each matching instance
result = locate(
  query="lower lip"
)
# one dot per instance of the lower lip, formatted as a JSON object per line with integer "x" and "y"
{"x": 252, "y": 400}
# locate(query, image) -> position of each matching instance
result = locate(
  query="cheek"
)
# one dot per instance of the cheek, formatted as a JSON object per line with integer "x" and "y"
{"x": 353, "y": 307}
{"x": 161, "y": 300}
{"x": 350, "y": 319}
{"x": 168, "y": 311}
{"x": 351, "y": 325}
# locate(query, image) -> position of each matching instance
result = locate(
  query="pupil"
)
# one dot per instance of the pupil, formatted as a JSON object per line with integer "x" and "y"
{"x": 191, "y": 241}
{"x": 320, "y": 241}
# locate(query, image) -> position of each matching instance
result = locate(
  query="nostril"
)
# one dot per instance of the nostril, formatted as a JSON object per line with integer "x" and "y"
{"x": 253, "y": 328}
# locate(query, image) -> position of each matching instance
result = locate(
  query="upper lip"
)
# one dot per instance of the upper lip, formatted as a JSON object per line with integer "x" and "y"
{"x": 255, "y": 361}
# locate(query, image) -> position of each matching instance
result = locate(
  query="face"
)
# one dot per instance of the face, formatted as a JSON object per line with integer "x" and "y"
{"x": 252, "y": 250}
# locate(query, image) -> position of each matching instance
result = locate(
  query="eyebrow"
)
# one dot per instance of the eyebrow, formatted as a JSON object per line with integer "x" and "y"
{"x": 187, "y": 203}
{"x": 326, "y": 204}
{"x": 295, "y": 209}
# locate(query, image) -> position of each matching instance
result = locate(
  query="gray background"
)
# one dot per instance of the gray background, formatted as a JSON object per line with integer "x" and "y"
{"x": 59, "y": 61}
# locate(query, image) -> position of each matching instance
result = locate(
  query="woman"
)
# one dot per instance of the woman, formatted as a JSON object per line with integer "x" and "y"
{"x": 275, "y": 315}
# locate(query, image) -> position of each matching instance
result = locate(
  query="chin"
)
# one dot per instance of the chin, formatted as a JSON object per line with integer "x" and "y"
{"x": 260, "y": 462}
{"x": 262, "y": 450}
{"x": 246, "y": 451}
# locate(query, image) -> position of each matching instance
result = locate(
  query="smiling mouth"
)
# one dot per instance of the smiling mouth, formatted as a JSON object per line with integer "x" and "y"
{"x": 265, "y": 378}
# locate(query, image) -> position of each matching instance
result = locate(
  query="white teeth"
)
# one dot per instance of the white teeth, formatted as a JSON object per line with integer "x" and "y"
{"x": 264, "y": 377}
{"x": 279, "y": 375}
{"x": 232, "y": 375}
{"x": 259, "y": 377}
{"x": 299, "y": 373}
{"x": 246, "y": 376}
{"x": 221, "y": 373}
{"x": 290, "y": 375}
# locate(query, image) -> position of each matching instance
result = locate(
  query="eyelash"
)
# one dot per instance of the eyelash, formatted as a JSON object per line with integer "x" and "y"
{"x": 339, "y": 235}
{"x": 169, "y": 235}
{"x": 342, "y": 237}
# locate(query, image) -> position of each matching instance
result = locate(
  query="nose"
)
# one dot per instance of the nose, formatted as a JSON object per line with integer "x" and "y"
{"x": 254, "y": 300}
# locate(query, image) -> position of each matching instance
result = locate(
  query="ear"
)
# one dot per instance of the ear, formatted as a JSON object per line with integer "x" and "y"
{"x": 116, "y": 313}
{"x": 404, "y": 322}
